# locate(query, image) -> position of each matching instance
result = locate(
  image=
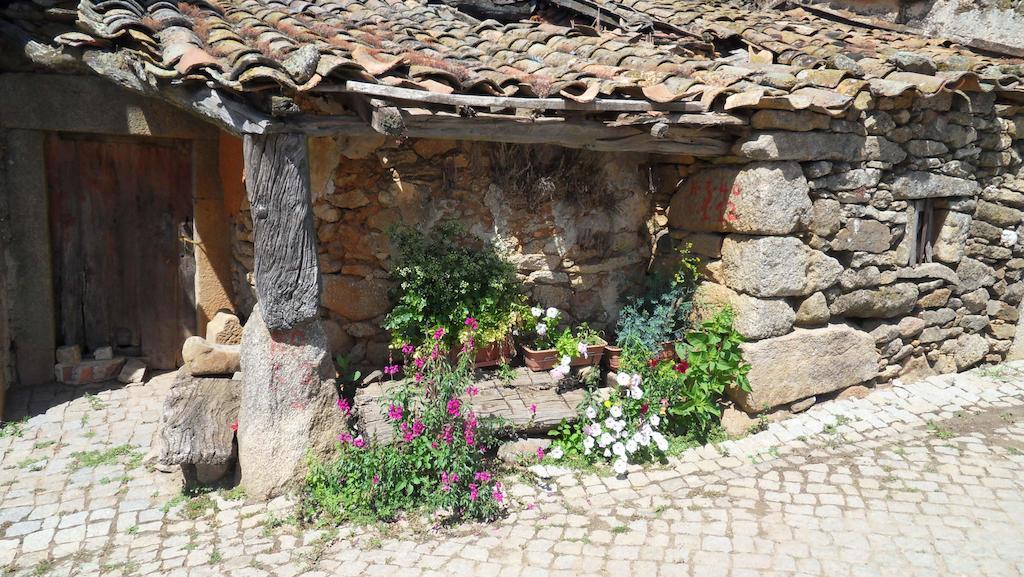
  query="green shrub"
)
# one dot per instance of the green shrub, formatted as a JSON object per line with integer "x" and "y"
{"x": 443, "y": 277}
{"x": 436, "y": 461}
{"x": 662, "y": 313}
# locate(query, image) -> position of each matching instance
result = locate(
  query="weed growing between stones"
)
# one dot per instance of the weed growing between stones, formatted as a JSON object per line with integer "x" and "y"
{"x": 96, "y": 458}
{"x": 13, "y": 428}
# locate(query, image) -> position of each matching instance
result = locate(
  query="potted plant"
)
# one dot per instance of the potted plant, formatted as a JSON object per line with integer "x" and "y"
{"x": 650, "y": 324}
{"x": 447, "y": 278}
{"x": 546, "y": 347}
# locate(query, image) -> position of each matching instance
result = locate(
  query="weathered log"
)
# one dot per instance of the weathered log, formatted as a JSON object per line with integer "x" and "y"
{"x": 197, "y": 421}
{"x": 286, "y": 266}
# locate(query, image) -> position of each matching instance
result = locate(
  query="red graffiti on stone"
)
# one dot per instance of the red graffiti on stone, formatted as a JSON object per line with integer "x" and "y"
{"x": 716, "y": 200}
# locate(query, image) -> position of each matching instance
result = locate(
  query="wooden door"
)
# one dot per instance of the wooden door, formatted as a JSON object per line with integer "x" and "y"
{"x": 121, "y": 222}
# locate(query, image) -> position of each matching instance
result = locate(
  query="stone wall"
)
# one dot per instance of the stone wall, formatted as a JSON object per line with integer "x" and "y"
{"x": 810, "y": 235}
{"x": 578, "y": 252}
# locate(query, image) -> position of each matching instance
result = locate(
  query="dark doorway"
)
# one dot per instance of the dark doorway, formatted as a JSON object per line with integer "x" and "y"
{"x": 121, "y": 226}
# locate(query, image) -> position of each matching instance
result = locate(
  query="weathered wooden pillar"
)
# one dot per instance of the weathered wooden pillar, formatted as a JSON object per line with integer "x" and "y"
{"x": 288, "y": 394}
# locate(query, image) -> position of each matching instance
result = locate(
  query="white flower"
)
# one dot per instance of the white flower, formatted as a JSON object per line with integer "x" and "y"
{"x": 588, "y": 443}
{"x": 556, "y": 453}
{"x": 551, "y": 313}
{"x": 620, "y": 425}
{"x": 619, "y": 466}
{"x": 631, "y": 446}
{"x": 536, "y": 311}
{"x": 646, "y": 429}
{"x": 542, "y": 329}
{"x": 610, "y": 423}
{"x": 566, "y": 361}
{"x": 605, "y": 440}
{"x": 644, "y": 440}
{"x": 582, "y": 349}
{"x": 636, "y": 393}
{"x": 615, "y": 411}
{"x": 558, "y": 373}
{"x": 607, "y": 453}
{"x": 587, "y": 450}
{"x": 591, "y": 413}
{"x": 655, "y": 420}
{"x": 595, "y": 430}
{"x": 660, "y": 441}
{"x": 619, "y": 449}
{"x": 635, "y": 380}
{"x": 622, "y": 379}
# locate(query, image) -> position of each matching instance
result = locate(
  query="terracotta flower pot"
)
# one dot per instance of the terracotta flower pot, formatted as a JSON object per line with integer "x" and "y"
{"x": 547, "y": 359}
{"x": 492, "y": 355}
{"x": 612, "y": 357}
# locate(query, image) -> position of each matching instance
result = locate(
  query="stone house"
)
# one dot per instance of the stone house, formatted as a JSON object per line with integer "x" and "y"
{"x": 855, "y": 189}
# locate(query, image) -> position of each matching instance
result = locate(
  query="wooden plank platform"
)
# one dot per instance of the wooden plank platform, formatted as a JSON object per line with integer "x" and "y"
{"x": 510, "y": 400}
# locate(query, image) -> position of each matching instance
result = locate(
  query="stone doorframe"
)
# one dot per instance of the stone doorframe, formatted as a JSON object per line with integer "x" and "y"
{"x": 88, "y": 105}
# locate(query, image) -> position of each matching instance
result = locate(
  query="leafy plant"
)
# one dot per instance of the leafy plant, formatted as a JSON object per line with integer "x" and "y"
{"x": 436, "y": 460}
{"x": 444, "y": 276}
{"x": 662, "y": 313}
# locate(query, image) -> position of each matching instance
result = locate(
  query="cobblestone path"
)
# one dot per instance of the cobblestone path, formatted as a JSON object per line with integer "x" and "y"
{"x": 925, "y": 479}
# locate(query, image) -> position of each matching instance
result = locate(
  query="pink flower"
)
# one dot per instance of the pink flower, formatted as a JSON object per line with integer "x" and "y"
{"x": 438, "y": 334}
{"x": 454, "y": 406}
{"x": 376, "y": 479}
{"x": 394, "y": 412}
{"x": 472, "y": 391}
{"x": 234, "y": 426}
{"x": 418, "y": 377}
{"x": 446, "y": 435}
{"x": 471, "y": 323}
{"x": 418, "y": 427}
{"x": 345, "y": 438}
{"x": 419, "y": 362}
{"x": 540, "y": 453}
{"x": 497, "y": 494}
{"x": 344, "y": 406}
{"x": 482, "y": 476}
{"x": 391, "y": 369}
{"x": 447, "y": 480}
{"x": 358, "y": 443}
{"x": 408, "y": 349}
{"x": 473, "y": 492}
{"x": 533, "y": 408}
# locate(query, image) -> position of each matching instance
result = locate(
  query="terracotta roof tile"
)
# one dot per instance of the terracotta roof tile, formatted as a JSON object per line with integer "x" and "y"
{"x": 795, "y": 58}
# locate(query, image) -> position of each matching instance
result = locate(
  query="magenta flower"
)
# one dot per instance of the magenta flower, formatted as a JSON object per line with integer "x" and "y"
{"x": 454, "y": 406}
{"x": 419, "y": 362}
{"x": 472, "y": 391}
{"x": 359, "y": 443}
{"x": 473, "y": 492}
{"x": 471, "y": 323}
{"x": 345, "y": 438}
{"x": 344, "y": 406}
{"x": 418, "y": 377}
{"x": 482, "y": 476}
{"x": 376, "y": 479}
{"x": 391, "y": 369}
{"x": 497, "y": 494}
{"x": 408, "y": 349}
{"x": 438, "y": 334}
{"x": 418, "y": 427}
{"x": 533, "y": 408}
{"x": 394, "y": 412}
{"x": 446, "y": 435}
{"x": 540, "y": 453}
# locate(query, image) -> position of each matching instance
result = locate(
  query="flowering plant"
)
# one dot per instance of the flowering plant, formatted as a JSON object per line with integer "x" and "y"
{"x": 442, "y": 277}
{"x": 622, "y": 429}
{"x": 437, "y": 457}
{"x": 538, "y": 326}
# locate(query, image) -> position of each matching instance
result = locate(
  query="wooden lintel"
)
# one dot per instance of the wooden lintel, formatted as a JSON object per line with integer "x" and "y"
{"x": 503, "y": 102}
{"x": 287, "y": 269}
{"x": 590, "y": 135}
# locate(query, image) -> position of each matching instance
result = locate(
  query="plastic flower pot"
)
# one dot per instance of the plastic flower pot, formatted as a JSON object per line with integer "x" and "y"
{"x": 547, "y": 359}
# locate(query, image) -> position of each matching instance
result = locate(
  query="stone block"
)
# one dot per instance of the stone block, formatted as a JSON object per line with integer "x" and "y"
{"x": 760, "y": 198}
{"x": 134, "y": 371}
{"x": 884, "y": 302}
{"x": 807, "y": 146}
{"x": 514, "y": 452}
{"x": 974, "y": 274}
{"x": 103, "y": 353}
{"x": 799, "y": 121}
{"x": 356, "y": 299}
{"x": 949, "y": 246}
{"x": 916, "y": 185}
{"x": 86, "y": 372}
{"x": 825, "y": 217}
{"x": 224, "y": 329}
{"x": 863, "y": 235}
{"x": 69, "y": 355}
{"x": 767, "y": 266}
{"x": 998, "y": 215}
{"x": 754, "y": 318}
{"x": 813, "y": 311}
{"x": 204, "y": 358}
{"x": 805, "y": 363}
{"x": 934, "y": 299}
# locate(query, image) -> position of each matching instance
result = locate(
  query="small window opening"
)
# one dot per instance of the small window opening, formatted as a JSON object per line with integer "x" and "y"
{"x": 928, "y": 221}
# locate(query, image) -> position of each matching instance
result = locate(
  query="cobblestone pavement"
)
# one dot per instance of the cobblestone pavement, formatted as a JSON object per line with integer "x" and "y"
{"x": 926, "y": 479}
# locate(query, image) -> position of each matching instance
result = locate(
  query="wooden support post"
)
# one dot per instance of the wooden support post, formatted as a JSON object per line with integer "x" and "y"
{"x": 287, "y": 269}
{"x": 288, "y": 406}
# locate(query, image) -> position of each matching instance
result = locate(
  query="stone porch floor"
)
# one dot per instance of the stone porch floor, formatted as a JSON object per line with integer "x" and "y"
{"x": 925, "y": 479}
